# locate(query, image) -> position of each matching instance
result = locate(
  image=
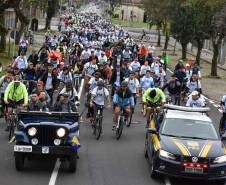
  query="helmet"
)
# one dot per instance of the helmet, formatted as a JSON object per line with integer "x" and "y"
{"x": 124, "y": 84}
{"x": 100, "y": 83}
{"x": 152, "y": 93}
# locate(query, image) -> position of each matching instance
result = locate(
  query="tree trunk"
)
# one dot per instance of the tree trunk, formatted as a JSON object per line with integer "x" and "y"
{"x": 199, "y": 51}
{"x": 3, "y": 32}
{"x": 184, "y": 51}
{"x": 166, "y": 40}
{"x": 216, "y": 48}
{"x": 48, "y": 21}
{"x": 159, "y": 37}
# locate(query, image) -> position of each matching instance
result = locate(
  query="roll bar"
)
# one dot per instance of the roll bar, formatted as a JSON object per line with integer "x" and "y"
{"x": 186, "y": 109}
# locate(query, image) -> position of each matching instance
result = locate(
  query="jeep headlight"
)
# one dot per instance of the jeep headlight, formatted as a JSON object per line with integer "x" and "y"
{"x": 221, "y": 159}
{"x": 61, "y": 132}
{"x": 32, "y": 131}
{"x": 167, "y": 155}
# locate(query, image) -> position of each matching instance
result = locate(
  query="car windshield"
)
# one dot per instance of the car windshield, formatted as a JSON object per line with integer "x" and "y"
{"x": 189, "y": 129}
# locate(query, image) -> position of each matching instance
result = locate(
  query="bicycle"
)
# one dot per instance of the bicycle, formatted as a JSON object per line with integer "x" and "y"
{"x": 97, "y": 122}
{"x": 119, "y": 126}
{"x": 12, "y": 122}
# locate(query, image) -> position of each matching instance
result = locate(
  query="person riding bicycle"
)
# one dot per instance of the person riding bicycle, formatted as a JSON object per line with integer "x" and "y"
{"x": 133, "y": 85}
{"x": 173, "y": 87}
{"x": 123, "y": 99}
{"x": 153, "y": 97}
{"x": 98, "y": 96}
{"x": 15, "y": 95}
{"x": 195, "y": 100}
{"x": 194, "y": 83}
{"x": 73, "y": 95}
{"x": 223, "y": 108}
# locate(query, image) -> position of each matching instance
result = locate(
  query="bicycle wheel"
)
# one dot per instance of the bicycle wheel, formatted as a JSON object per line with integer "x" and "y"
{"x": 11, "y": 129}
{"x": 130, "y": 120}
{"x": 119, "y": 128}
{"x": 98, "y": 128}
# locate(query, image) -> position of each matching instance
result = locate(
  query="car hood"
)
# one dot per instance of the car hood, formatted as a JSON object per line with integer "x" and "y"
{"x": 192, "y": 147}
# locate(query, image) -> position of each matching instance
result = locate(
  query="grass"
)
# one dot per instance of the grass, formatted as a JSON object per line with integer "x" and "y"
{"x": 126, "y": 23}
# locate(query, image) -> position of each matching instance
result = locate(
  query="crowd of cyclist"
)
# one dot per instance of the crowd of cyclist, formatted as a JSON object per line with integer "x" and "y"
{"x": 114, "y": 68}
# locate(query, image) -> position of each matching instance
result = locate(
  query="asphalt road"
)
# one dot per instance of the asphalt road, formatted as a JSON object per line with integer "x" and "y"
{"x": 104, "y": 162}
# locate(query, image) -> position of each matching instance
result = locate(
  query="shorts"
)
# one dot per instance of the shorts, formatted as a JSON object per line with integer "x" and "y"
{"x": 13, "y": 104}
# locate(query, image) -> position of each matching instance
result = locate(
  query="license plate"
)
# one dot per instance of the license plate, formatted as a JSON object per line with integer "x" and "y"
{"x": 22, "y": 148}
{"x": 45, "y": 150}
{"x": 194, "y": 170}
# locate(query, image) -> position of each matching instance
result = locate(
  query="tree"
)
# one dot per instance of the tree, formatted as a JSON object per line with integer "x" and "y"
{"x": 51, "y": 10}
{"x": 218, "y": 31}
{"x": 3, "y": 31}
{"x": 159, "y": 13}
{"x": 182, "y": 24}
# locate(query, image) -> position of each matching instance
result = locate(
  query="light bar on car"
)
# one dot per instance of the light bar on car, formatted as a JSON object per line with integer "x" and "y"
{"x": 186, "y": 109}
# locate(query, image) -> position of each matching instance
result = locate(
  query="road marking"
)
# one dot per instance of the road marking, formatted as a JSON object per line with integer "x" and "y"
{"x": 54, "y": 174}
{"x": 167, "y": 181}
{"x": 53, "y": 178}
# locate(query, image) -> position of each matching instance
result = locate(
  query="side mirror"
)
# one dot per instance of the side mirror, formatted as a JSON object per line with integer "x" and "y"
{"x": 152, "y": 131}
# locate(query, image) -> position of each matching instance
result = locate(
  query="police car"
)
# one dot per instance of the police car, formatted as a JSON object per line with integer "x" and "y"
{"x": 186, "y": 145}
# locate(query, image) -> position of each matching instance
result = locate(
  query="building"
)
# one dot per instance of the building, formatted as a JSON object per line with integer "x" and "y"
{"x": 10, "y": 18}
{"x": 132, "y": 10}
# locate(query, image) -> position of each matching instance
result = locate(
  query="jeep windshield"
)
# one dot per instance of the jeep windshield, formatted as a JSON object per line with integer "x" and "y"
{"x": 188, "y": 128}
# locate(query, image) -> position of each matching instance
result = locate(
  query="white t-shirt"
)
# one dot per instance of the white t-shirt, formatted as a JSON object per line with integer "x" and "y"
{"x": 192, "y": 85}
{"x": 133, "y": 85}
{"x": 144, "y": 69}
{"x": 195, "y": 103}
{"x": 100, "y": 95}
{"x": 93, "y": 83}
{"x": 90, "y": 68}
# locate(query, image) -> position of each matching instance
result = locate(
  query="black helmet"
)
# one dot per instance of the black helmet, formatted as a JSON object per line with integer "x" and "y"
{"x": 100, "y": 83}
{"x": 152, "y": 93}
{"x": 124, "y": 84}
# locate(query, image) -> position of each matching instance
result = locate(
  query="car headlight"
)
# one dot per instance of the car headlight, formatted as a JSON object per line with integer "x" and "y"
{"x": 32, "y": 131}
{"x": 167, "y": 155}
{"x": 61, "y": 132}
{"x": 221, "y": 159}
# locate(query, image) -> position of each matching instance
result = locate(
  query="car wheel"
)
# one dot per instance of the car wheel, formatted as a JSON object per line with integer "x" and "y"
{"x": 153, "y": 173}
{"x": 19, "y": 161}
{"x": 72, "y": 163}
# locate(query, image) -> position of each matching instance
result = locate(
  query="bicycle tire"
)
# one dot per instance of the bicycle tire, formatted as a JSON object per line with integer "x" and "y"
{"x": 11, "y": 130}
{"x": 130, "y": 120}
{"x": 120, "y": 128}
{"x": 98, "y": 128}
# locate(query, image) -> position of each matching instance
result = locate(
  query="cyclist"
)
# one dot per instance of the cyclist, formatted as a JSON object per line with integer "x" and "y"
{"x": 174, "y": 89}
{"x": 147, "y": 81}
{"x": 133, "y": 85}
{"x": 195, "y": 100}
{"x": 15, "y": 94}
{"x": 223, "y": 107}
{"x": 194, "y": 83}
{"x": 123, "y": 99}
{"x": 151, "y": 98}
{"x": 98, "y": 96}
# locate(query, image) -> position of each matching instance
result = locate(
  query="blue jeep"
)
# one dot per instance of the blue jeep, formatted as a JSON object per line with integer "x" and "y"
{"x": 47, "y": 133}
